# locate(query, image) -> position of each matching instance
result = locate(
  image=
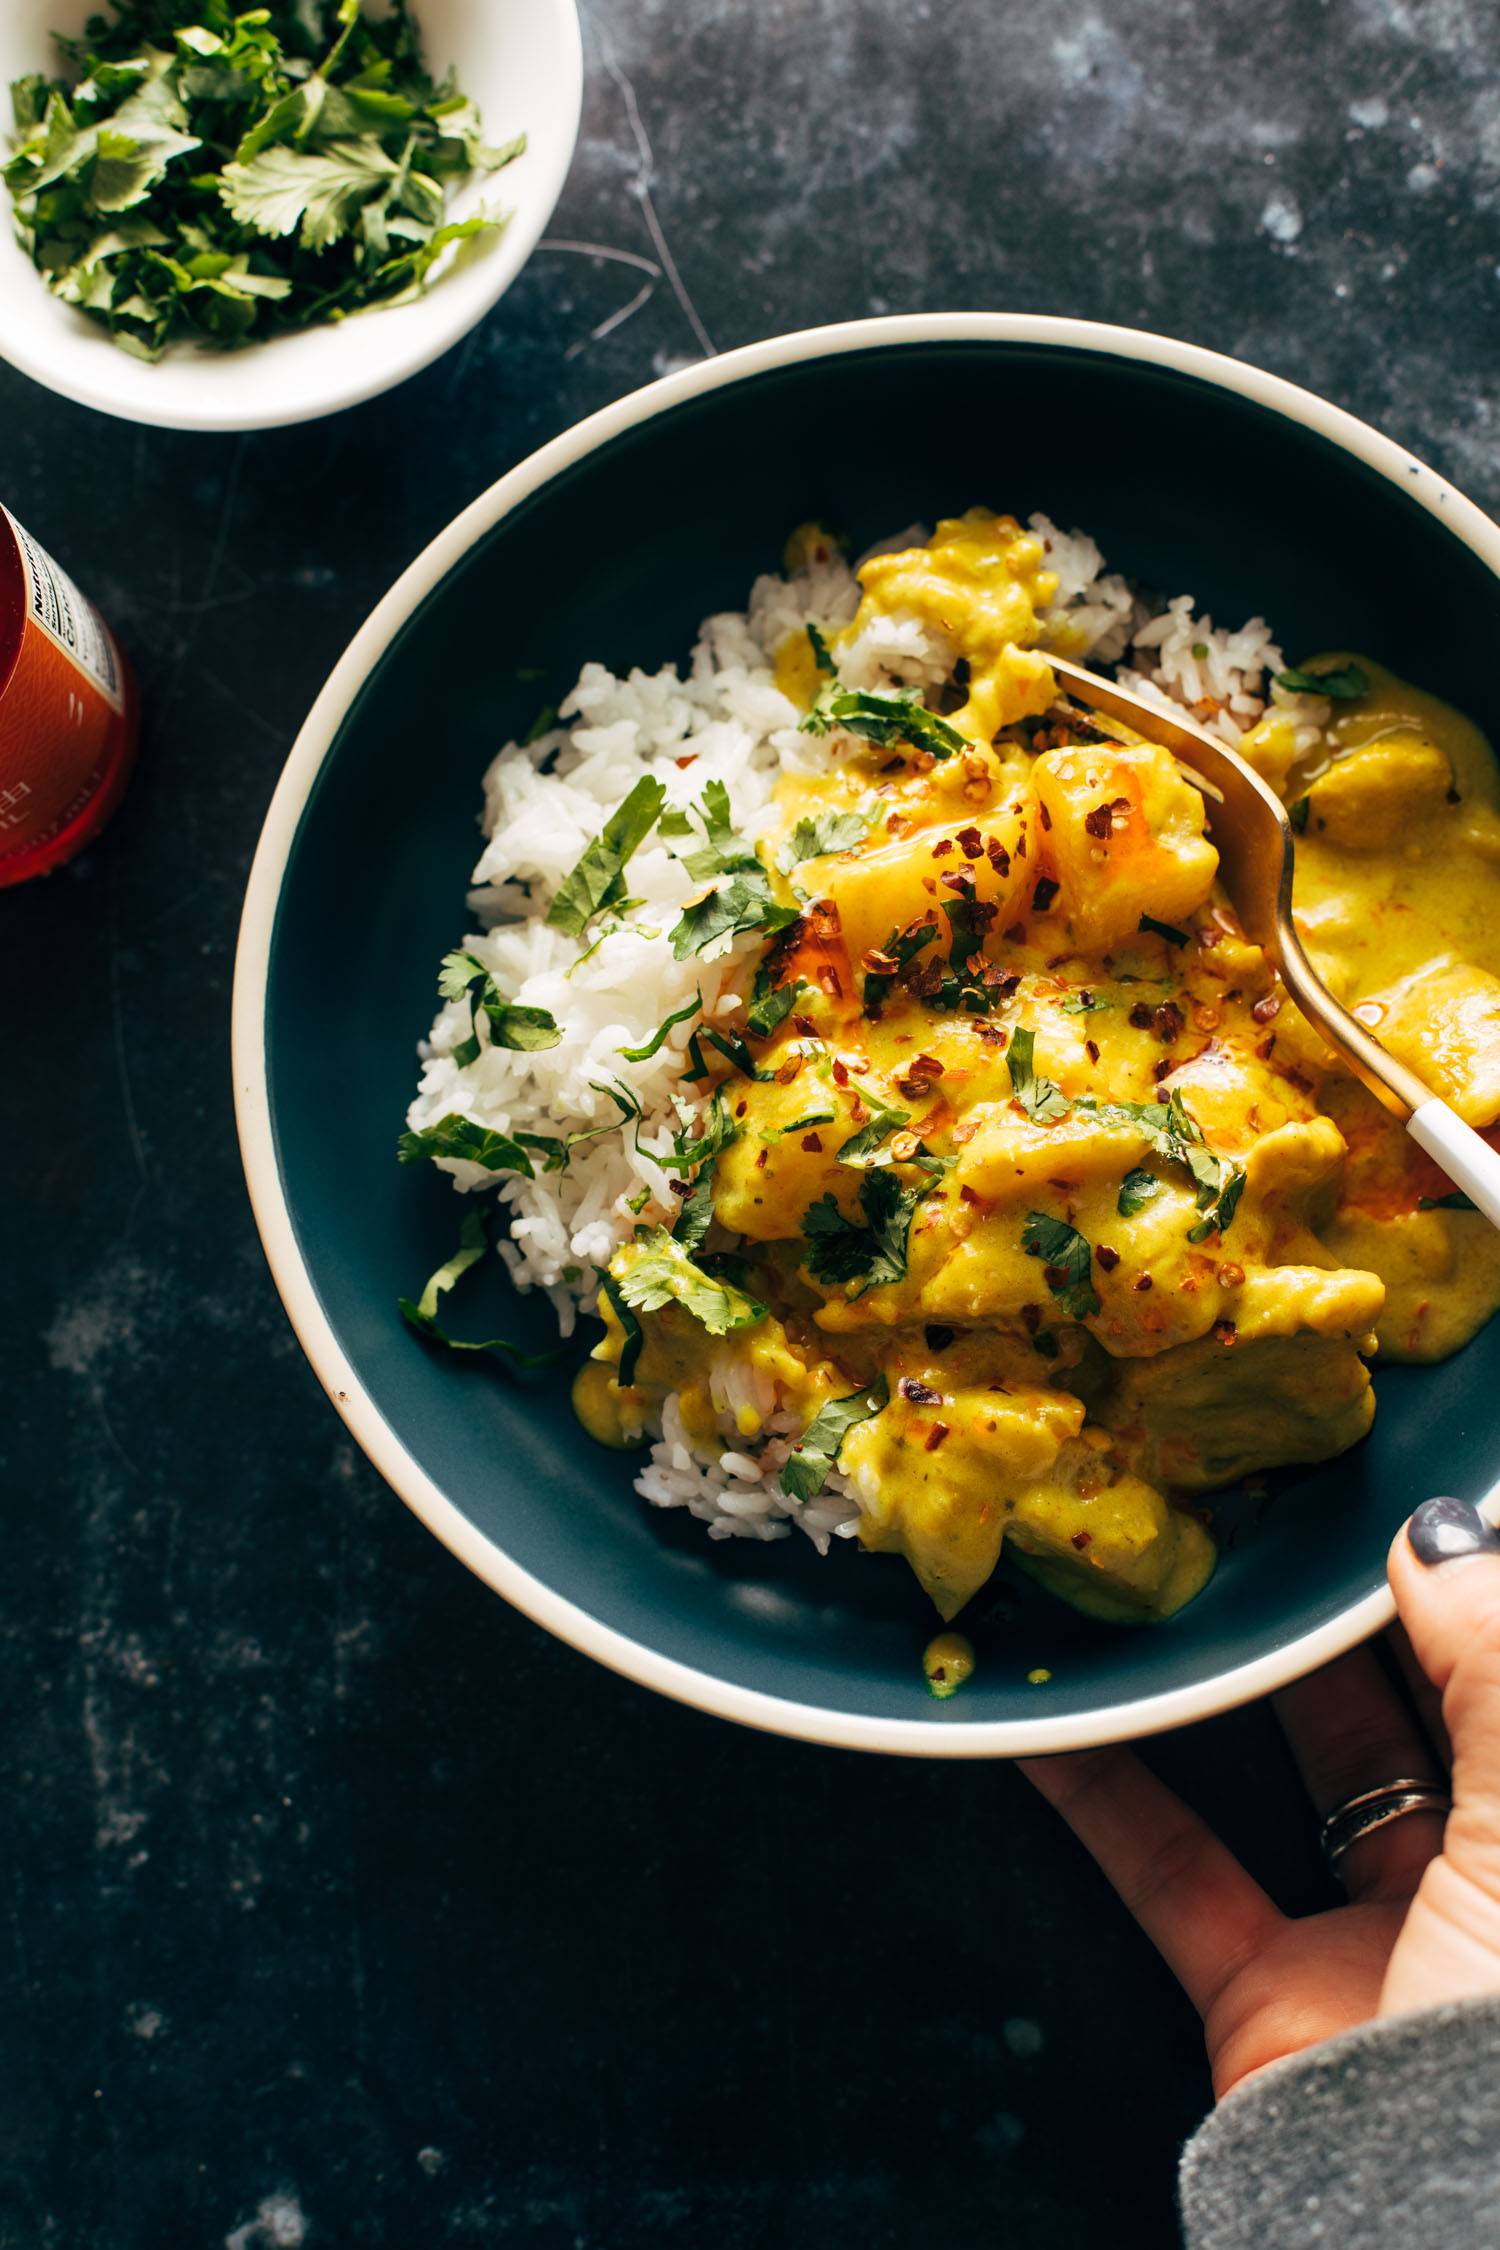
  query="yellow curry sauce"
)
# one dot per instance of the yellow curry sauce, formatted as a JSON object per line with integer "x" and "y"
{"x": 1136, "y": 1233}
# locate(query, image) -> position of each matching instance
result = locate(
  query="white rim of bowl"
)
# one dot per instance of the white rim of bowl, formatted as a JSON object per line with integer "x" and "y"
{"x": 926, "y": 1737}
{"x": 430, "y": 340}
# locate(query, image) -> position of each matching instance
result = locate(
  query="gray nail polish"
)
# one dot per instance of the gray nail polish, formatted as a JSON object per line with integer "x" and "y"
{"x": 1445, "y": 1528}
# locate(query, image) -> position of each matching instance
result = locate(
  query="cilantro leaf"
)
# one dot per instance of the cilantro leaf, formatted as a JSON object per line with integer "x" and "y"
{"x": 1084, "y": 1004}
{"x": 597, "y": 880}
{"x": 884, "y": 719}
{"x": 818, "y": 834}
{"x": 1138, "y": 1188}
{"x": 689, "y": 1150}
{"x": 422, "y": 1315}
{"x": 1068, "y": 1262}
{"x": 872, "y": 1252}
{"x": 1039, "y": 1098}
{"x": 527, "y": 1030}
{"x": 456, "y": 1136}
{"x": 1344, "y": 682}
{"x": 1455, "y": 1201}
{"x": 770, "y": 1005}
{"x": 696, "y": 1216}
{"x": 653, "y": 1044}
{"x": 818, "y": 1448}
{"x": 658, "y": 1271}
{"x": 723, "y": 851}
{"x": 865, "y": 1146}
{"x": 635, "y": 1335}
{"x": 899, "y": 948}
{"x": 1174, "y": 1133}
{"x": 742, "y": 902}
{"x": 822, "y": 654}
{"x": 1167, "y": 930}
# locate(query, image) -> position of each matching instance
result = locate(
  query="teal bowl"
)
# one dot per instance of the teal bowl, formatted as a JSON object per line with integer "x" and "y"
{"x": 1193, "y": 471}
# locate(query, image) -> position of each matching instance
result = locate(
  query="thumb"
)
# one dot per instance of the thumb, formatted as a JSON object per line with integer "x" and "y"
{"x": 1445, "y": 1575}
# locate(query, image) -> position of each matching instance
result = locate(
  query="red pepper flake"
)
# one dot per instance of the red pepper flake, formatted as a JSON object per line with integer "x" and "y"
{"x": 1016, "y": 934}
{"x": 966, "y": 1194}
{"x": 760, "y": 1161}
{"x": 1107, "y": 1258}
{"x": 1140, "y": 1016}
{"x": 970, "y": 843}
{"x": 828, "y": 981}
{"x": 991, "y": 1034}
{"x": 1163, "y": 1069}
{"x": 1031, "y": 1318}
{"x": 805, "y": 1025}
{"x": 1021, "y": 845}
{"x": 1264, "y": 1010}
{"x": 1046, "y": 817}
{"x": 1231, "y": 1276}
{"x": 1082, "y": 1540}
{"x": 999, "y": 857}
{"x": 1224, "y": 1332}
{"x": 942, "y": 847}
{"x": 1091, "y": 1050}
{"x": 1043, "y": 895}
{"x": 1267, "y": 1048}
{"x": 812, "y": 1144}
{"x": 919, "y": 1393}
{"x": 1167, "y": 1022}
{"x": 788, "y": 1070}
{"x": 690, "y": 760}
{"x": 840, "y": 1072}
{"x": 935, "y": 1437}
{"x": 822, "y": 918}
{"x": 1141, "y": 1283}
{"x": 740, "y": 1108}
{"x": 959, "y": 879}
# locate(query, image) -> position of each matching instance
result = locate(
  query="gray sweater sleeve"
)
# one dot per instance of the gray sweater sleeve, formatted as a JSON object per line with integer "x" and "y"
{"x": 1387, "y": 2138}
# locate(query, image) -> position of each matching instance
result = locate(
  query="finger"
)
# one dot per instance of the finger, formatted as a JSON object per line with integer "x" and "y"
{"x": 1429, "y": 1704}
{"x": 1445, "y": 1574}
{"x": 1203, "y": 1913}
{"x": 1350, "y": 1730}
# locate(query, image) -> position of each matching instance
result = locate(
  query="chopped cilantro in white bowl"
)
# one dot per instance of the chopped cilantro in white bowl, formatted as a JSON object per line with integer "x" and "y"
{"x": 226, "y": 329}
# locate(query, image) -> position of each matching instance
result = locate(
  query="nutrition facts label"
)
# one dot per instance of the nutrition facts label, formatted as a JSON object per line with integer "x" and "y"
{"x": 54, "y": 603}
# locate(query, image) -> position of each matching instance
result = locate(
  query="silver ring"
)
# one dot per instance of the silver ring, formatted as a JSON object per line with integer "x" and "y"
{"x": 1377, "y": 1808}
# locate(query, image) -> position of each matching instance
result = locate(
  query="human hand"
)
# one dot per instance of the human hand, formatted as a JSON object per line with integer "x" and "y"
{"x": 1422, "y": 1922}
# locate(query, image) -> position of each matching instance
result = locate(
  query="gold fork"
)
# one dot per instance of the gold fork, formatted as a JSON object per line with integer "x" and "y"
{"x": 1256, "y": 847}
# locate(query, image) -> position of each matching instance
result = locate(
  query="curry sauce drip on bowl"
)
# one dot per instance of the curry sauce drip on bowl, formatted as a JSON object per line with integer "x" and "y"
{"x": 1010, "y": 1203}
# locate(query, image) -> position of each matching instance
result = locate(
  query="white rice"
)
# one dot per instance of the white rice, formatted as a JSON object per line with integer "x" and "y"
{"x": 545, "y": 800}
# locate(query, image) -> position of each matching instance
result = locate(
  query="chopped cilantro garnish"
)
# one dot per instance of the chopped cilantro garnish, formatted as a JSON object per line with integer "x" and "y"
{"x": 820, "y": 833}
{"x": 1084, "y": 1004}
{"x": 742, "y": 902}
{"x": 1167, "y": 930}
{"x": 1298, "y": 814}
{"x": 1037, "y": 1096}
{"x": 658, "y": 1271}
{"x": 818, "y": 1448}
{"x": 1069, "y": 1261}
{"x": 730, "y": 1046}
{"x": 455, "y": 1136}
{"x": 822, "y": 654}
{"x": 722, "y": 852}
{"x": 653, "y": 1044}
{"x": 1174, "y": 1133}
{"x": 884, "y": 719}
{"x": 867, "y": 1146}
{"x": 1456, "y": 1201}
{"x": 241, "y": 176}
{"x": 844, "y": 1250}
{"x": 598, "y": 880}
{"x": 689, "y": 1150}
{"x": 696, "y": 1215}
{"x": 770, "y": 1004}
{"x": 635, "y": 1335}
{"x": 528, "y": 1030}
{"x": 1138, "y": 1188}
{"x": 1344, "y": 682}
{"x": 899, "y": 948}
{"x": 422, "y": 1314}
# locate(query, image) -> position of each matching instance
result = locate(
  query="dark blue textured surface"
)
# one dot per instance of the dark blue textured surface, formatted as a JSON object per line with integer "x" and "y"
{"x": 340, "y": 1906}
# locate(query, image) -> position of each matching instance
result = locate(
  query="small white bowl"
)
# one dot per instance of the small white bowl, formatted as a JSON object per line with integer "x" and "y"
{"x": 520, "y": 60}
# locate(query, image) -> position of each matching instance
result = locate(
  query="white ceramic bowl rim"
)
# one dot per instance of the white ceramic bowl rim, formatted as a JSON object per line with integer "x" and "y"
{"x": 752, "y": 1707}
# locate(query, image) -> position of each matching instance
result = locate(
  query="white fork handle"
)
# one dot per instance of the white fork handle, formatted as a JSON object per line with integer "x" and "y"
{"x": 1468, "y": 1161}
